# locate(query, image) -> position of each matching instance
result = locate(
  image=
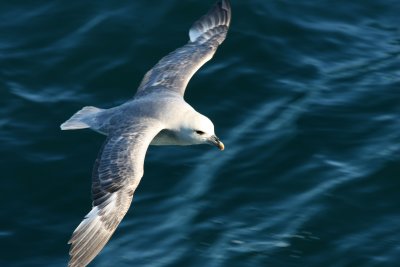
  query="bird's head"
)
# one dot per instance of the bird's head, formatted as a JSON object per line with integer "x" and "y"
{"x": 198, "y": 129}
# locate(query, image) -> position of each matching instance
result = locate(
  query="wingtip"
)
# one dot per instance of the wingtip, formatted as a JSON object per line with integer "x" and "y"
{"x": 225, "y": 4}
{"x": 215, "y": 22}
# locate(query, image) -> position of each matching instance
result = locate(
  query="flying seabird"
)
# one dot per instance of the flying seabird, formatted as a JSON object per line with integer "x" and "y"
{"x": 157, "y": 115}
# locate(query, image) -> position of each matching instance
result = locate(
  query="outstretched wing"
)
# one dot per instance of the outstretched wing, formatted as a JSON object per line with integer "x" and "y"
{"x": 174, "y": 71}
{"x": 116, "y": 174}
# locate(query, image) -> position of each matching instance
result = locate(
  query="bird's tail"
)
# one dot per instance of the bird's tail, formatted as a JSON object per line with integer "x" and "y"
{"x": 84, "y": 118}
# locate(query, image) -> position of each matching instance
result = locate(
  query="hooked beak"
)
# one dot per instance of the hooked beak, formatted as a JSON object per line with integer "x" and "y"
{"x": 216, "y": 142}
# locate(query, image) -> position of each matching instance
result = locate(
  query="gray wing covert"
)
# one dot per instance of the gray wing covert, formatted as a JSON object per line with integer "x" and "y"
{"x": 116, "y": 174}
{"x": 174, "y": 71}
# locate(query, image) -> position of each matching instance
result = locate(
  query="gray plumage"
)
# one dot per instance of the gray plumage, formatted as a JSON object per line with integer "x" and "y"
{"x": 157, "y": 115}
{"x": 174, "y": 71}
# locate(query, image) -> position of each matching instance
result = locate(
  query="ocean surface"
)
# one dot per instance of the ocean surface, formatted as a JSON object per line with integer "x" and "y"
{"x": 304, "y": 94}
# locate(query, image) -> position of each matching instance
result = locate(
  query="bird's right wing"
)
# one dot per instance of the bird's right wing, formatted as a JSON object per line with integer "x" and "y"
{"x": 116, "y": 174}
{"x": 174, "y": 71}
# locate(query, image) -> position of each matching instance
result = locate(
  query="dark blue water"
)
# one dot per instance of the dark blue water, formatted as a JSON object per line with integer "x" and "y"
{"x": 305, "y": 95}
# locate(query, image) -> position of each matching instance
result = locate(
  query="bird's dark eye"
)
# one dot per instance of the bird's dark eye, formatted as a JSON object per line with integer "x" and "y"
{"x": 200, "y": 132}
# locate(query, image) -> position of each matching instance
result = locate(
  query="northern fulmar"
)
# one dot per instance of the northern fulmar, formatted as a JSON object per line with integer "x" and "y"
{"x": 157, "y": 115}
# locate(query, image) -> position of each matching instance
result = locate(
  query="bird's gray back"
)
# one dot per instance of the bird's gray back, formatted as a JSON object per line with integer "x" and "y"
{"x": 163, "y": 106}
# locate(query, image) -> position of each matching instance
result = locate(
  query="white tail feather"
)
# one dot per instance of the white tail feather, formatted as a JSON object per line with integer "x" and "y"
{"x": 81, "y": 120}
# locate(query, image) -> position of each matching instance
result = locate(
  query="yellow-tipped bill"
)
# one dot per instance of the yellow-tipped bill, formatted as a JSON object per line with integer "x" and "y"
{"x": 215, "y": 141}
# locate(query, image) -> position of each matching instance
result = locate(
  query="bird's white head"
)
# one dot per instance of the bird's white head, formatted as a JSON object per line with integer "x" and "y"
{"x": 198, "y": 129}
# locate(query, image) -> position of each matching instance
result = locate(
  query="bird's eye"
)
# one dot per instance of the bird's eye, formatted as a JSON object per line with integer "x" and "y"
{"x": 200, "y": 132}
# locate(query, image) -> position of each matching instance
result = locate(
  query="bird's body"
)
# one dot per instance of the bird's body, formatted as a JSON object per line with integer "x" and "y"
{"x": 157, "y": 115}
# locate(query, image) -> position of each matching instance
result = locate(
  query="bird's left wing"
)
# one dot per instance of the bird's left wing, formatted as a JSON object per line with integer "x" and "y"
{"x": 174, "y": 71}
{"x": 116, "y": 174}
